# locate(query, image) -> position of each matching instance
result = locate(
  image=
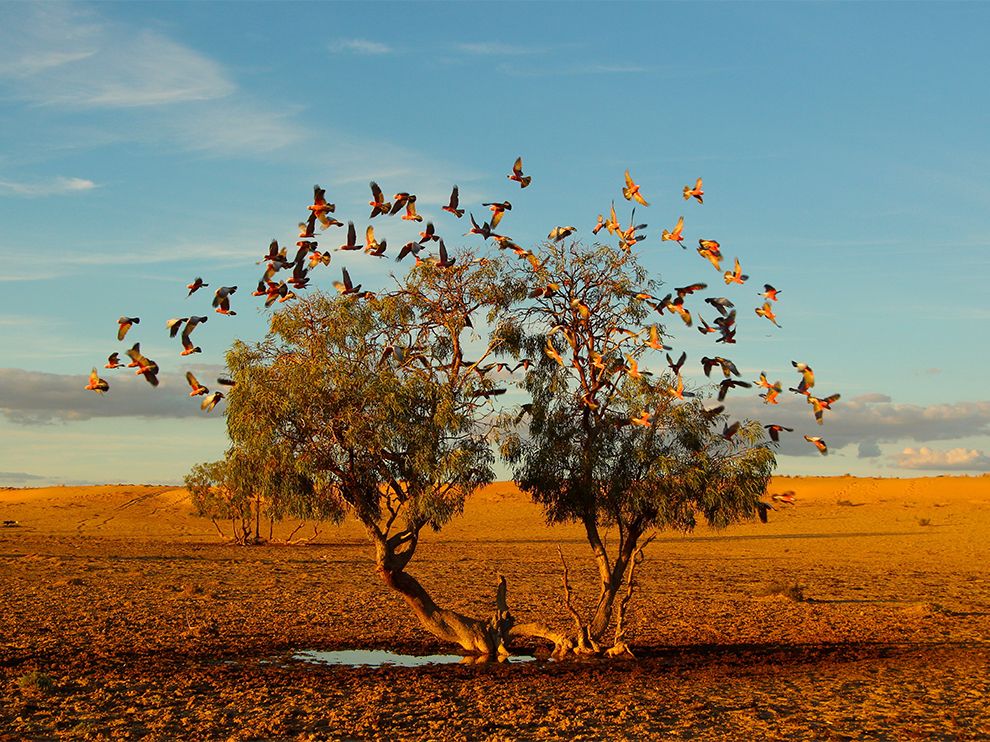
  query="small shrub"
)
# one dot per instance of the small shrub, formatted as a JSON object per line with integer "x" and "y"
{"x": 790, "y": 590}
{"x": 924, "y": 521}
{"x": 36, "y": 681}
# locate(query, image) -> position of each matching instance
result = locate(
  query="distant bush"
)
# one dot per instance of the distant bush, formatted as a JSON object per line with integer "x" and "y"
{"x": 792, "y": 591}
{"x": 36, "y": 681}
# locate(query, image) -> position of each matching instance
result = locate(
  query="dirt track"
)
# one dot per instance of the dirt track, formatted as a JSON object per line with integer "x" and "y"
{"x": 122, "y": 616}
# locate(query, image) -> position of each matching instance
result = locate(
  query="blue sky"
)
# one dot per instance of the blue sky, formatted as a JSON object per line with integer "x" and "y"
{"x": 843, "y": 148}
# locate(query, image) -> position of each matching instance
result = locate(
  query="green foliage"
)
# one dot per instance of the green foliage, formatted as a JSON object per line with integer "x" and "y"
{"x": 370, "y": 405}
{"x": 580, "y": 456}
{"x": 36, "y": 681}
{"x": 214, "y": 494}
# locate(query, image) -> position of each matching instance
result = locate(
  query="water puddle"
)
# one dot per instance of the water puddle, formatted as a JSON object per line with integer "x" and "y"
{"x": 384, "y": 658}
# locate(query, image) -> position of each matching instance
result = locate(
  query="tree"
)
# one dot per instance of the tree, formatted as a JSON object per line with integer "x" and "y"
{"x": 383, "y": 405}
{"x": 608, "y": 445}
{"x": 246, "y": 484}
{"x": 373, "y": 406}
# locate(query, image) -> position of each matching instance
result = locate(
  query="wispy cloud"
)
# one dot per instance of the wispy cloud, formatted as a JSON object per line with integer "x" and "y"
{"x": 868, "y": 420}
{"x": 99, "y": 64}
{"x": 360, "y": 46}
{"x": 160, "y": 86}
{"x": 955, "y": 459}
{"x": 570, "y": 70}
{"x": 171, "y": 253}
{"x": 495, "y": 48}
{"x": 57, "y": 186}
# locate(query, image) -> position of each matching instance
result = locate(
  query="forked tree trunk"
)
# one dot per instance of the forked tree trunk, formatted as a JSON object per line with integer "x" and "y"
{"x": 486, "y": 638}
{"x": 472, "y": 635}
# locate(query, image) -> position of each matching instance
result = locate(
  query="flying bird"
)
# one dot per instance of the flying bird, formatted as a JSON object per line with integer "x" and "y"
{"x": 677, "y": 392}
{"x": 195, "y": 286}
{"x": 351, "y": 243}
{"x": 695, "y": 192}
{"x": 807, "y": 376}
{"x": 197, "y": 388}
{"x": 736, "y": 275}
{"x": 517, "y": 174}
{"x": 429, "y": 234}
{"x": 498, "y": 210}
{"x": 645, "y": 419}
{"x": 721, "y": 304}
{"x": 631, "y": 191}
{"x": 221, "y": 300}
{"x": 704, "y": 328}
{"x": 96, "y": 384}
{"x": 690, "y": 289}
{"x": 773, "y": 390}
{"x": 409, "y": 247}
{"x": 451, "y": 207}
{"x": 378, "y": 203}
{"x": 411, "y": 215}
{"x": 820, "y": 405}
{"x": 767, "y": 311}
{"x": 307, "y": 229}
{"x": 675, "y": 306}
{"x": 371, "y": 245}
{"x": 726, "y": 384}
{"x": 713, "y": 256}
{"x": 727, "y": 366}
{"x": 762, "y": 508}
{"x": 188, "y": 348}
{"x": 769, "y": 292}
{"x": 774, "y": 430}
{"x": 174, "y": 325}
{"x": 730, "y": 430}
{"x": 209, "y": 402}
{"x": 676, "y": 235}
{"x": 320, "y": 207}
{"x": 124, "y": 324}
{"x": 346, "y": 288}
{"x": 655, "y": 342}
{"x": 819, "y": 444}
{"x": 484, "y": 230}
{"x": 113, "y": 361}
{"x": 559, "y": 233}
{"x": 787, "y": 498}
{"x": 445, "y": 261}
{"x": 145, "y": 367}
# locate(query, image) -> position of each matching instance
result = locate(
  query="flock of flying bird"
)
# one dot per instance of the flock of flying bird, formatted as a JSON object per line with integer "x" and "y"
{"x": 309, "y": 256}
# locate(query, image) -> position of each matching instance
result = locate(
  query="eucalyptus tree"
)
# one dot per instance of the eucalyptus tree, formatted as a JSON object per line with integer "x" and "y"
{"x": 246, "y": 484}
{"x": 380, "y": 405}
{"x": 607, "y": 444}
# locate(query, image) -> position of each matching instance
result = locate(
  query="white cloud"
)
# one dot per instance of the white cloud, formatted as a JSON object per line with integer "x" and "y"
{"x": 494, "y": 48}
{"x": 163, "y": 90}
{"x": 956, "y": 459}
{"x": 55, "y": 187}
{"x": 235, "y": 126}
{"x": 866, "y": 421}
{"x": 98, "y": 64}
{"x": 360, "y": 46}
{"x": 571, "y": 70}
{"x": 32, "y": 397}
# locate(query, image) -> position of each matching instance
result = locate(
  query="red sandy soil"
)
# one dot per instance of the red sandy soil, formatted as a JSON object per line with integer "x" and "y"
{"x": 123, "y": 616}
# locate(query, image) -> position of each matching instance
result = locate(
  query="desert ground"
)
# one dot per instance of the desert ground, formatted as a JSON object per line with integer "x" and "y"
{"x": 125, "y": 616}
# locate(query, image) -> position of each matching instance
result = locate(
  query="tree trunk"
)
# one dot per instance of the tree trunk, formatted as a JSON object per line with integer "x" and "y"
{"x": 257, "y": 520}
{"x": 611, "y": 586}
{"x": 470, "y": 634}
